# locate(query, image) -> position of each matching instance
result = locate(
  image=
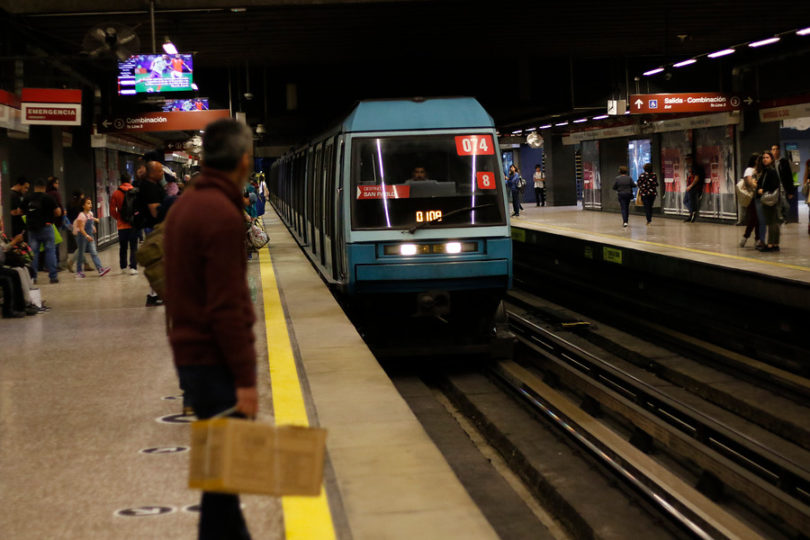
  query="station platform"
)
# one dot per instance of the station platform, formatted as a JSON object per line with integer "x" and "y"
{"x": 94, "y": 444}
{"x": 714, "y": 244}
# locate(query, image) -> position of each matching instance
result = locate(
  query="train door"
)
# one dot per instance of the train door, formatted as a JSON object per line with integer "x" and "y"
{"x": 317, "y": 203}
{"x": 328, "y": 202}
{"x": 308, "y": 198}
{"x": 338, "y": 270}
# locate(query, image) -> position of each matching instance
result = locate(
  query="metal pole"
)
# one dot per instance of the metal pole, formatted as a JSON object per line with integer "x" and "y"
{"x": 230, "y": 94}
{"x": 152, "y": 19}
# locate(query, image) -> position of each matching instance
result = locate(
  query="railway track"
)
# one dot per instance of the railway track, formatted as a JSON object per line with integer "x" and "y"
{"x": 726, "y": 462}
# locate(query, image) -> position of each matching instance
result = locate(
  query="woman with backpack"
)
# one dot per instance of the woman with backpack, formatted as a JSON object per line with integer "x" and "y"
{"x": 513, "y": 182}
{"x": 122, "y": 208}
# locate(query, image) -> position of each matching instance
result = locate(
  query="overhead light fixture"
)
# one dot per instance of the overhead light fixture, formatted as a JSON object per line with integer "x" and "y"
{"x": 724, "y": 52}
{"x": 545, "y": 127}
{"x": 517, "y": 132}
{"x": 562, "y": 124}
{"x": 600, "y": 117}
{"x": 194, "y": 86}
{"x": 529, "y": 130}
{"x": 653, "y": 71}
{"x": 803, "y": 31}
{"x": 685, "y": 63}
{"x": 580, "y": 120}
{"x": 238, "y": 10}
{"x": 762, "y": 42}
{"x": 169, "y": 47}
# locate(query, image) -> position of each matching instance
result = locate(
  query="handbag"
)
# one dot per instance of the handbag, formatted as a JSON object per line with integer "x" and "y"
{"x": 744, "y": 195}
{"x": 639, "y": 202}
{"x": 770, "y": 198}
{"x": 256, "y": 236}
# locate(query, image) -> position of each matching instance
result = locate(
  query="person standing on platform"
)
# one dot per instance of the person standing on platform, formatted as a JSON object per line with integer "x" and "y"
{"x": 746, "y": 188}
{"x": 539, "y": 186}
{"x": 41, "y": 212}
{"x": 767, "y": 182}
{"x": 127, "y": 232}
{"x": 695, "y": 179}
{"x": 84, "y": 228}
{"x": 624, "y": 186}
{"x": 52, "y": 189}
{"x": 648, "y": 187}
{"x": 18, "y": 193}
{"x": 790, "y": 205}
{"x": 512, "y": 182}
{"x": 208, "y": 306}
{"x": 150, "y": 196}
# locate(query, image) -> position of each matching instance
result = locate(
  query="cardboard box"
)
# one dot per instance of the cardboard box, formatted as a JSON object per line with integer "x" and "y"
{"x": 233, "y": 455}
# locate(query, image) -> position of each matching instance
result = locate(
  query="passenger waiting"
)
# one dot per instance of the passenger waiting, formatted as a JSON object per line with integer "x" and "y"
{"x": 746, "y": 188}
{"x": 767, "y": 198}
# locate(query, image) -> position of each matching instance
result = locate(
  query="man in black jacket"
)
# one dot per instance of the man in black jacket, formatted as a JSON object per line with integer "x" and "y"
{"x": 41, "y": 212}
{"x": 790, "y": 208}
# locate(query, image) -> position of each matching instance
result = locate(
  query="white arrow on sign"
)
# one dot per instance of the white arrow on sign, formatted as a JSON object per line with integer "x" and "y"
{"x": 638, "y": 103}
{"x": 748, "y": 101}
{"x": 106, "y": 123}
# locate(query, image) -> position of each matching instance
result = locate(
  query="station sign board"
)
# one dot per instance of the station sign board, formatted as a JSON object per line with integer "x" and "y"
{"x": 691, "y": 102}
{"x": 161, "y": 121}
{"x": 51, "y": 107}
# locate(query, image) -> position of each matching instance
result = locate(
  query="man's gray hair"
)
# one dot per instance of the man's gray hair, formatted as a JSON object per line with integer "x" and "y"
{"x": 224, "y": 143}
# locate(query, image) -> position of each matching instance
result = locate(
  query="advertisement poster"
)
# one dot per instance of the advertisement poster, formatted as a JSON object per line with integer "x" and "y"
{"x": 674, "y": 148}
{"x": 591, "y": 181}
{"x": 714, "y": 152}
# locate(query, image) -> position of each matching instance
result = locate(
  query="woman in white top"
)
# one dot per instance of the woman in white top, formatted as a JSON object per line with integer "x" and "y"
{"x": 745, "y": 191}
{"x": 539, "y": 186}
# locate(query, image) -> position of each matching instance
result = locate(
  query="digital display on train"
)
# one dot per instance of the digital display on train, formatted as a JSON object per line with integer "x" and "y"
{"x": 155, "y": 73}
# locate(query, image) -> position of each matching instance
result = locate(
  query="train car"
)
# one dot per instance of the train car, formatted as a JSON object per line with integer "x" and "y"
{"x": 402, "y": 208}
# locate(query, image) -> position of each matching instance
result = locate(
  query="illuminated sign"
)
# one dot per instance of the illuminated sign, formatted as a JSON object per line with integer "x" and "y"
{"x": 428, "y": 215}
{"x": 376, "y": 192}
{"x": 485, "y": 179}
{"x": 474, "y": 145}
{"x": 683, "y": 103}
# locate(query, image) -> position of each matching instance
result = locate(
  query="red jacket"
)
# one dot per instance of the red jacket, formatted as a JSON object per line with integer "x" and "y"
{"x": 116, "y": 200}
{"x": 207, "y": 298}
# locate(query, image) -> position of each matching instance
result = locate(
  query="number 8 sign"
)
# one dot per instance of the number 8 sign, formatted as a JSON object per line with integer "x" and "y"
{"x": 486, "y": 180}
{"x": 474, "y": 145}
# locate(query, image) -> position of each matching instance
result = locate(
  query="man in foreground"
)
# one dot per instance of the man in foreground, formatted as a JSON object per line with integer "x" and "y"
{"x": 210, "y": 314}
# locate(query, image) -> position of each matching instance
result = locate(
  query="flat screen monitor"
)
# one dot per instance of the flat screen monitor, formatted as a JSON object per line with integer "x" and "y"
{"x": 155, "y": 73}
{"x": 196, "y": 104}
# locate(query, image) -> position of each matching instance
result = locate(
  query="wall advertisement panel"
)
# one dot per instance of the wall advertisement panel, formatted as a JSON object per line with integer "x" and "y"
{"x": 591, "y": 180}
{"x": 675, "y": 145}
{"x": 714, "y": 151}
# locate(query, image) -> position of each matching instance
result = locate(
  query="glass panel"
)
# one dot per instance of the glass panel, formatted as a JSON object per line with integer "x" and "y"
{"x": 401, "y": 182}
{"x": 591, "y": 180}
{"x": 675, "y": 145}
{"x": 715, "y": 153}
{"x": 638, "y": 153}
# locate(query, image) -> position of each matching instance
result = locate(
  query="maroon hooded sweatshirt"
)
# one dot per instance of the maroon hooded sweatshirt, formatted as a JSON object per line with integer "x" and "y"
{"x": 207, "y": 300}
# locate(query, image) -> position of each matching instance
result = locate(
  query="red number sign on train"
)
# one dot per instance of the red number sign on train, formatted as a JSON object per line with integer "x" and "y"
{"x": 474, "y": 145}
{"x": 486, "y": 179}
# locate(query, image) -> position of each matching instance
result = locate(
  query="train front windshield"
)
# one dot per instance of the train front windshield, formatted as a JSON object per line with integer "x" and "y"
{"x": 426, "y": 181}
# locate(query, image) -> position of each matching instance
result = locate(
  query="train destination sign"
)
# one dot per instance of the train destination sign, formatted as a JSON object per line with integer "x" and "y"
{"x": 692, "y": 102}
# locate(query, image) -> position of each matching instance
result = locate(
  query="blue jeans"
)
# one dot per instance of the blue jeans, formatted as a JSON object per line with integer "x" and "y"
{"x": 127, "y": 239}
{"x": 516, "y": 201}
{"x": 45, "y": 237}
{"x": 83, "y": 244}
{"x": 211, "y": 390}
{"x": 624, "y": 204}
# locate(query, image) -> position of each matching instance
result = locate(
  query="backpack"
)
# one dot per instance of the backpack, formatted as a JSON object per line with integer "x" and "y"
{"x": 34, "y": 218}
{"x": 129, "y": 211}
{"x": 150, "y": 256}
{"x": 521, "y": 183}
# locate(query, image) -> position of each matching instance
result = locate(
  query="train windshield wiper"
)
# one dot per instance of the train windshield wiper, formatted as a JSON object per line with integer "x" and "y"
{"x": 418, "y": 226}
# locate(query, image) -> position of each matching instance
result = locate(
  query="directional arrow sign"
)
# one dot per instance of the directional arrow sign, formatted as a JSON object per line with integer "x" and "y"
{"x": 162, "y": 121}
{"x": 748, "y": 101}
{"x": 697, "y": 102}
{"x": 106, "y": 123}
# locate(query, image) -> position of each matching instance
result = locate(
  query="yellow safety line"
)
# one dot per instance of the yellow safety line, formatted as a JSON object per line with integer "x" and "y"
{"x": 726, "y": 255}
{"x": 304, "y": 517}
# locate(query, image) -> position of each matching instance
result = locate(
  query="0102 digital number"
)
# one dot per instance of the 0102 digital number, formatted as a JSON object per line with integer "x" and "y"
{"x": 428, "y": 215}
{"x": 474, "y": 145}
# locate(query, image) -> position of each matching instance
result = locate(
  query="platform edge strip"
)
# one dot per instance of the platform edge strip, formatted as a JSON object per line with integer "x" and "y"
{"x": 304, "y": 517}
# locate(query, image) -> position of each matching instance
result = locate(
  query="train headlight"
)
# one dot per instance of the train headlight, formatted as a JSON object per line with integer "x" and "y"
{"x": 452, "y": 247}
{"x": 407, "y": 249}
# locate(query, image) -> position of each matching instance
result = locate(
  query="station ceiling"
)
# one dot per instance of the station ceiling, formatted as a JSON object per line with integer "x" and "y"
{"x": 523, "y": 60}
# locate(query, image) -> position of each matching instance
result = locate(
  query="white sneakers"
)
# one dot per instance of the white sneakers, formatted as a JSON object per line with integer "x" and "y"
{"x": 133, "y": 272}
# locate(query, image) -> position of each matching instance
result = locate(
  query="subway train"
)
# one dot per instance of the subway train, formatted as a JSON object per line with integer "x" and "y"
{"x": 402, "y": 209}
